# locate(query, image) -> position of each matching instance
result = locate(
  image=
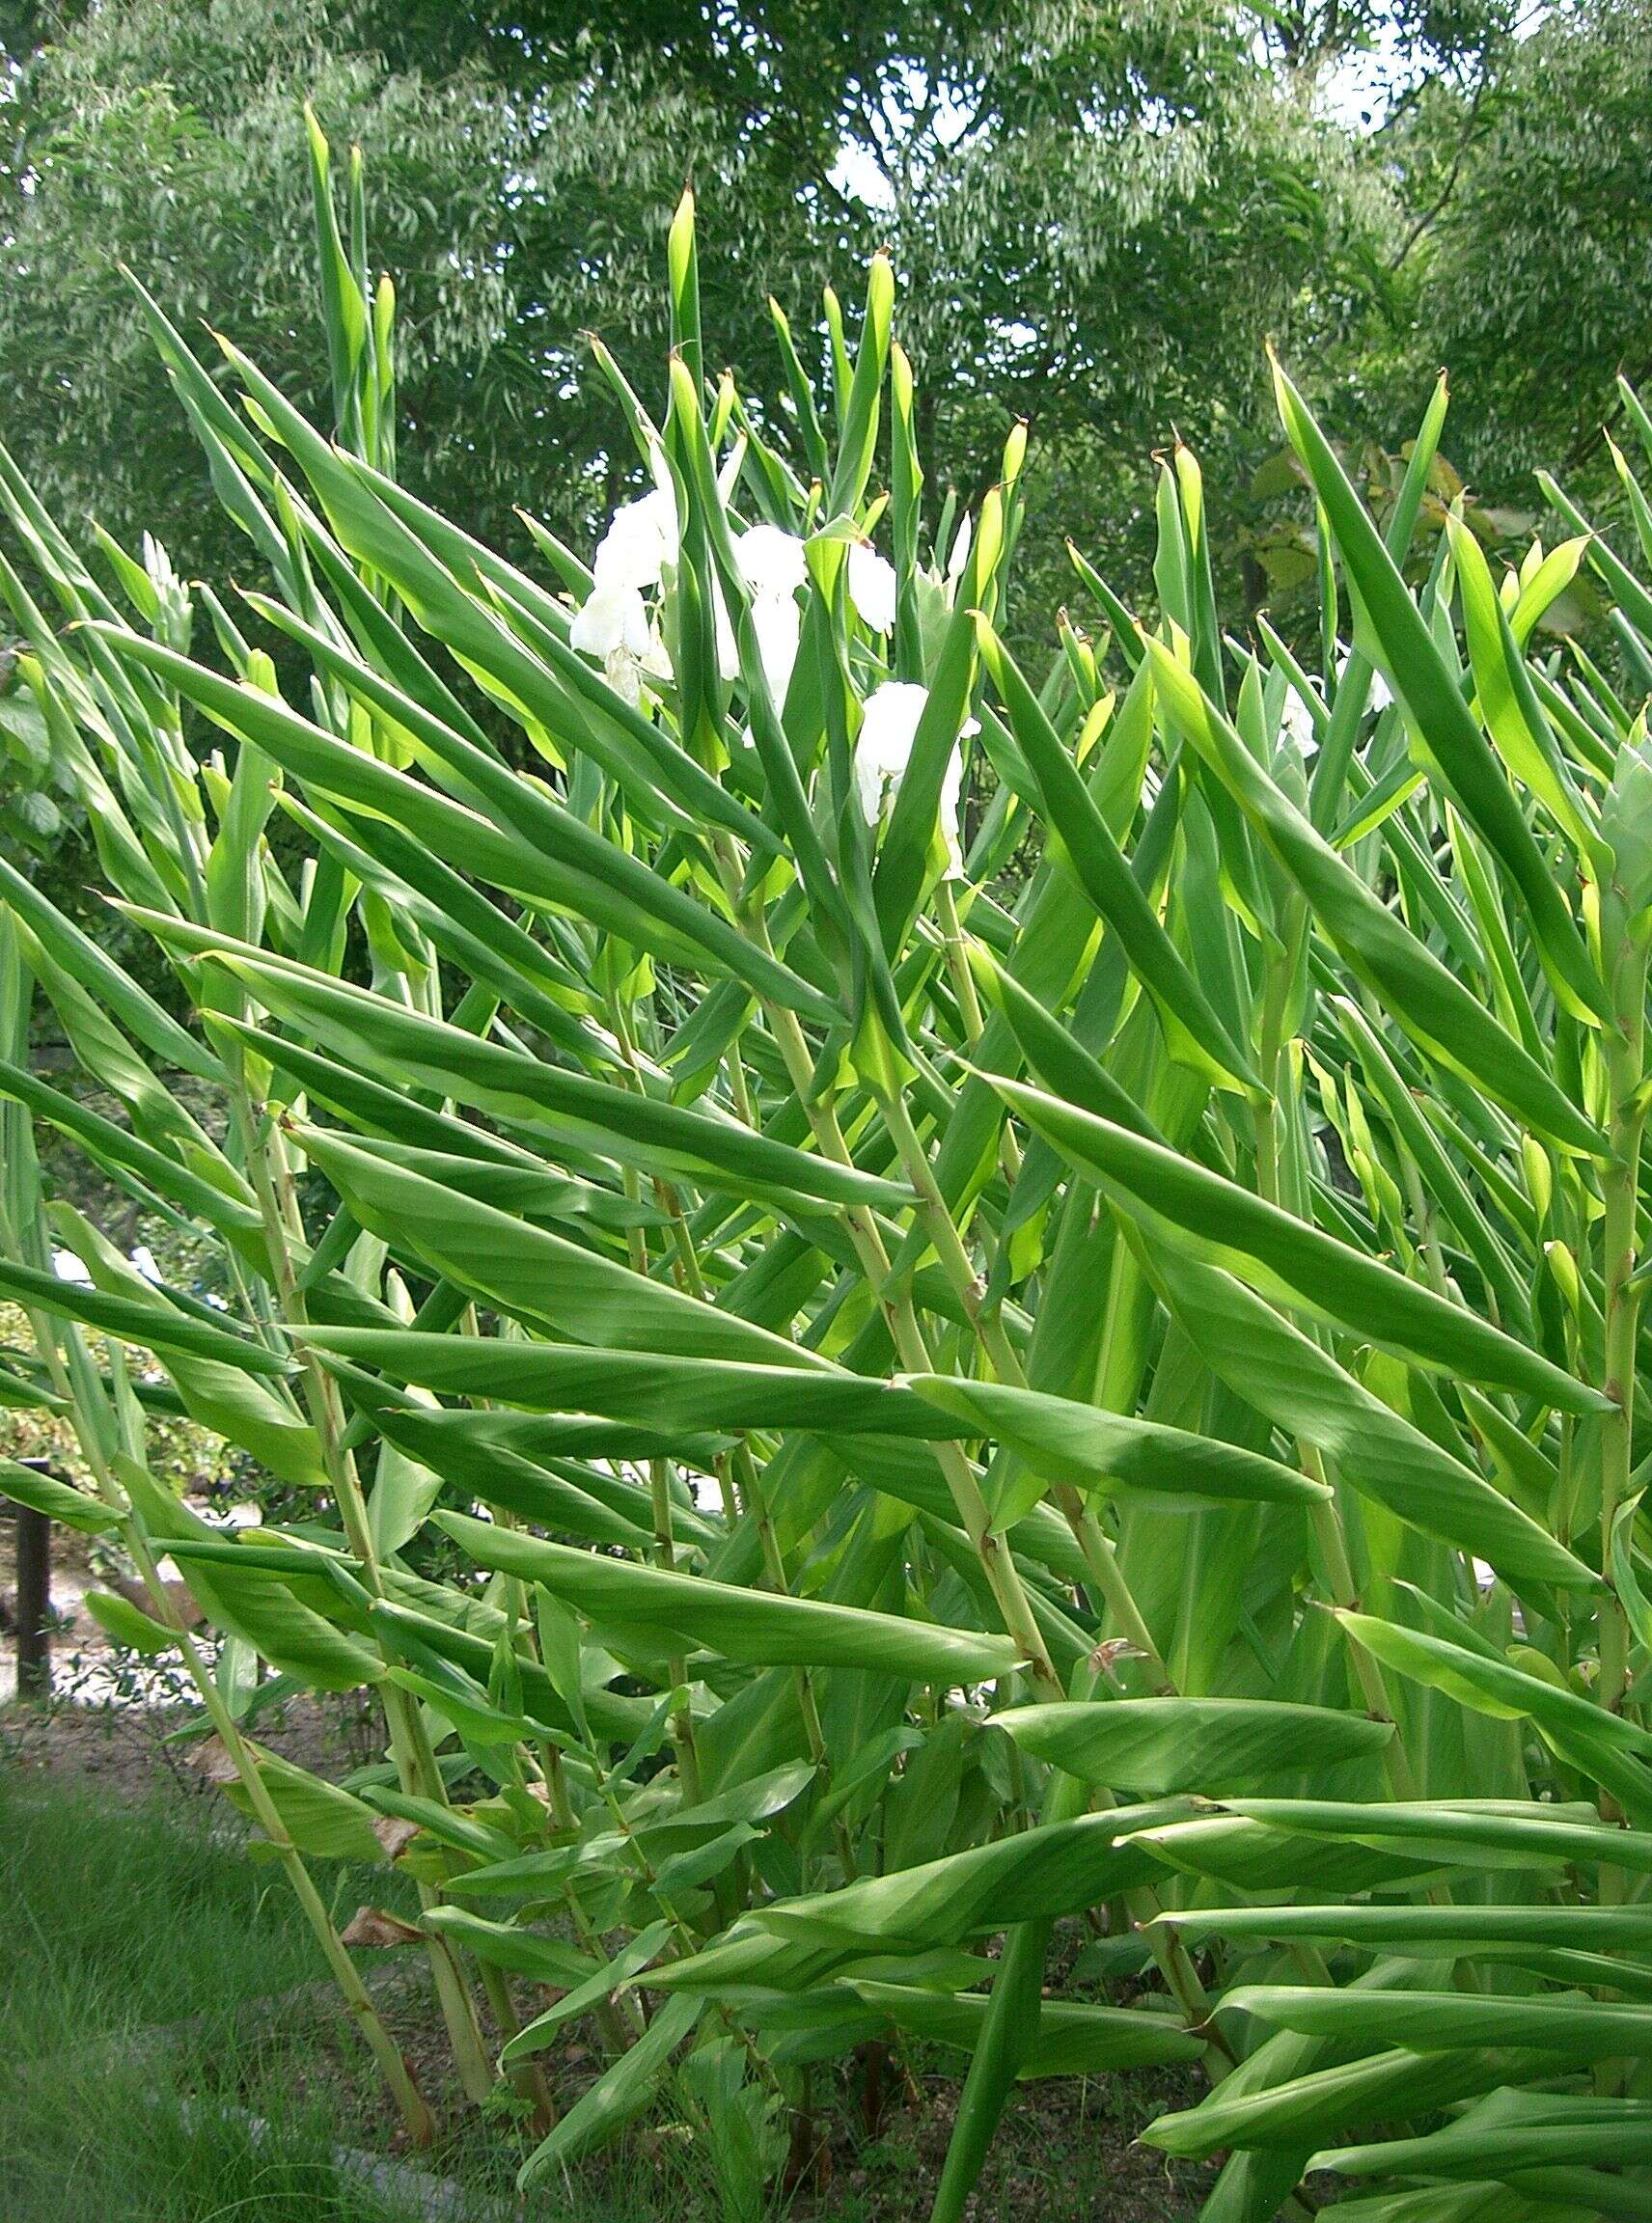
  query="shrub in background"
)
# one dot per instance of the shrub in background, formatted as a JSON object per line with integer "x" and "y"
{"x": 959, "y": 1404}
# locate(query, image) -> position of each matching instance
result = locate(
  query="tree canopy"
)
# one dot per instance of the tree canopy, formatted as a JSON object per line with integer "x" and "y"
{"x": 1097, "y": 212}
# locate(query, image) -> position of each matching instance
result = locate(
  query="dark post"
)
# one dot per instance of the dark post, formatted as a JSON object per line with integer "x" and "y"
{"x": 34, "y": 1603}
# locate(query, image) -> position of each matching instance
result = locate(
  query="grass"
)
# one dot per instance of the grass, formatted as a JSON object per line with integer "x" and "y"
{"x": 151, "y": 1992}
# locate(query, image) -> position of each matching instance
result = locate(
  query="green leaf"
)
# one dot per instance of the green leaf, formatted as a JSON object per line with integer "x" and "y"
{"x": 1217, "y": 1747}
{"x": 1288, "y": 1259}
{"x": 1192, "y": 1031}
{"x": 1397, "y": 637}
{"x": 1450, "y": 1024}
{"x": 761, "y": 1628}
{"x": 1094, "y": 1449}
{"x": 44, "y": 1494}
{"x": 1302, "y": 1389}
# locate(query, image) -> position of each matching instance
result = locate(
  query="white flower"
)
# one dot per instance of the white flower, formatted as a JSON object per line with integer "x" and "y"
{"x": 641, "y": 540}
{"x": 777, "y": 623}
{"x": 960, "y": 555}
{"x": 773, "y": 566}
{"x": 611, "y": 618}
{"x": 888, "y": 728}
{"x": 871, "y": 588}
{"x": 1296, "y": 725}
{"x": 143, "y": 1259}
{"x": 614, "y": 624}
{"x": 728, "y": 648}
{"x": 68, "y": 1267}
{"x": 771, "y": 562}
{"x": 1378, "y": 695}
{"x": 951, "y": 795}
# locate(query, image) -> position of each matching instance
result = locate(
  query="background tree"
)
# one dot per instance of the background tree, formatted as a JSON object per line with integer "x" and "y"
{"x": 1098, "y": 212}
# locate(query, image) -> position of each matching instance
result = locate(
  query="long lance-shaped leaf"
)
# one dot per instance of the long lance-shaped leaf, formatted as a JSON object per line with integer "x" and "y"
{"x": 1057, "y": 1868}
{"x": 1104, "y": 1451}
{"x": 1449, "y": 1024}
{"x": 57, "y": 1500}
{"x": 104, "y": 981}
{"x": 1353, "y": 686}
{"x": 401, "y": 1044}
{"x": 1192, "y": 1031}
{"x": 1069, "y": 2038}
{"x": 859, "y": 439}
{"x": 1401, "y": 643}
{"x": 1442, "y": 1183}
{"x": 1608, "y": 1749}
{"x": 156, "y": 1326}
{"x": 576, "y": 868}
{"x": 786, "y": 800}
{"x": 1468, "y": 1832}
{"x": 242, "y": 1407}
{"x": 687, "y": 798}
{"x": 528, "y": 1270}
{"x": 463, "y": 924}
{"x": 666, "y": 1392}
{"x": 1289, "y": 1260}
{"x": 1517, "y": 2132}
{"x": 1283, "y": 1373}
{"x": 1508, "y": 702}
{"x": 250, "y": 1601}
{"x": 1441, "y": 2021}
{"x": 624, "y": 2090}
{"x": 555, "y": 1473}
{"x": 1215, "y": 1747}
{"x": 230, "y": 1209}
{"x": 762, "y": 1628}
{"x": 1427, "y": 1929}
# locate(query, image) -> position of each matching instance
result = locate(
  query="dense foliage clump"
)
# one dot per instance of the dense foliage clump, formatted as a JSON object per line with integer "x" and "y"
{"x": 843, "y": 1405}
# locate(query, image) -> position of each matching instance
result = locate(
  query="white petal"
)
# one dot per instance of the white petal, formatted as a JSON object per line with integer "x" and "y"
{"x": 960, "y": 555}
{"x": 1296, "y": 725}
{"x": 144, "y": 1260}
{"x": 871, "y": 588}
{"x": 624, "y": 675}
{"x": 613, "y": 617}
{"x": 951, "y": 795}
{"x": 884, "y": 743}
{"x": 729, "y": 476}
{"x": 728, "y": 649}
{"x": 68, "y": 1267}
{"x": 639, "y": 540}
{"x": 771, "y": 562}
{"x": 776, "y": 621}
